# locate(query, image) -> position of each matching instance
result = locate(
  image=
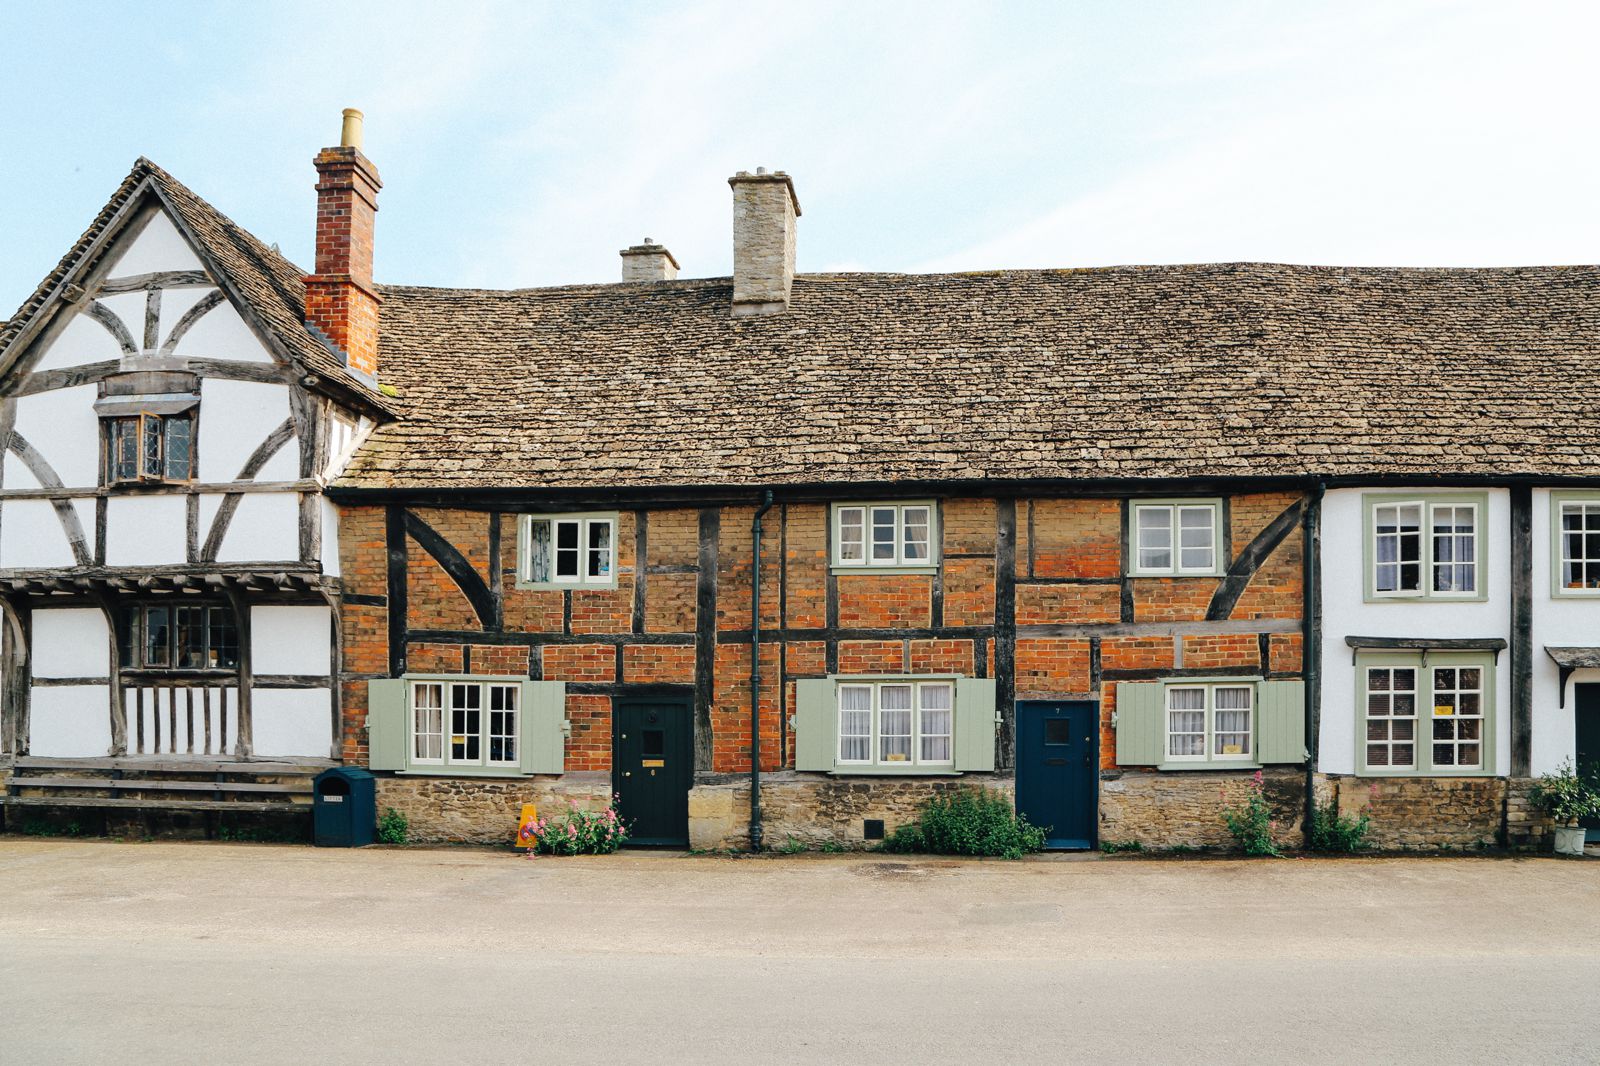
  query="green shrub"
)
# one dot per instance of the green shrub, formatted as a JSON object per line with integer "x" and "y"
{"x": 968, "y": 822}
{"x": 393, "y": 827}
{"x": 1566, "y": 796}
{"x": 1111, "y": 847}
{"x": 1330, "y": 831}
{"x": 1251, "y": 824}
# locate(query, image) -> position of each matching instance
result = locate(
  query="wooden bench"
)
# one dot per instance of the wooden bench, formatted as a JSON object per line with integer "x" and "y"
{"x": 162, "y": 784}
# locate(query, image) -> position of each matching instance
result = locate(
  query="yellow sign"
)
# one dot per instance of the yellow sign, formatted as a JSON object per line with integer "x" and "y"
{"x": 647, "y": 763}
{"x": 525, "y": 826}
{"x": 1443, "y": 710}
{"x": 1231, "y": 749}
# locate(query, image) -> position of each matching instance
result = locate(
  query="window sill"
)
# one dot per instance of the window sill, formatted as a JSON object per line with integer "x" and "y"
{"x": 1476, "y": 597}
{"x": 1210, "y": 575}
{"x": 894, "y": 771}
{"x": 1180, "y": 766}
{"x": 507, "y": 772}
{"x": 841, "y": 570}
{"x": 1379, "y": 774}
{"x": 558, "y": 586}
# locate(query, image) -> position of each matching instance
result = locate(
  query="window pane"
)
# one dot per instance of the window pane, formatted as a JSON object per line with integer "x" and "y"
{"x": 1186, "y": 722}
{"x": 855, "y": 723}
{"x": 502, "y": 723}
{"x": 883, "y": 523}
{"x": 179, "y": 433}
{"x": 1391, "y": 709}
{"x": 935, "y": 722}
{"x": 158, "y": 636}
{"x": 191, "y": 623}
{"x": 1397, "y": 547}
{"x": 222, "y": 638}
{"x": 124, "y": 448}
{"x": 852, "y": 534}
{"x": 1154, "y": 535}
{"x": 539, "y": 550}
{"x": 150, "y": 440}
{"x": 894, "y": 723}
{"x": 1457, "y": 716}
{"x": 1196, "y": 536}
{"x": 427, "y": 721}
{"x": 1232, "y": 721}
{"x": 466, "y": 728}
{"x": 600, "y": 549}
{"x": 567, "y": 550}
{"x": 915, "y": 534}
{"x": 1454, "y": 549}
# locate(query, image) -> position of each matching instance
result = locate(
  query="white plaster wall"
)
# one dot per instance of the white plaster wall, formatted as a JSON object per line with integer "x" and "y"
{"x": 176, "y": 302}
{"x": 235, "y": 417}
{"x": 31, "y": 535}
{"x": 83, "y": 340}
{"x": 291, "y": 721}
{"x": 1559, "y": 621}
{"x": 159, "y": 246}
{"x": 72, "y": 721}
{"x": 290, "y": 640}
{"x": 223, "y": 334}
{"x": 129, "y": 307}
{"x": 265, "y": 527}
{"x": 154, "y": 705}
{"x": 62, "y": 427}
{"x": 330, "y": 536}
{"x": 71, "y": 642}
{"x": 146, "y": 530}
{"x": 1345, "y": 614}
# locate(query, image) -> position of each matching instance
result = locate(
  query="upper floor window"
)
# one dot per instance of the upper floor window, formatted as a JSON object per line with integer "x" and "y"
{"x": 149, "y": 448}
{"x": 1576, "y": 521}
{"x": 187, "y": 636}
{"x": 567, "y": 551}
{"x": 342, "y": 433}
{"x": 884, "y": 535}
{"x": 1176, "y": 538}
{"x": 1425, "y": 547}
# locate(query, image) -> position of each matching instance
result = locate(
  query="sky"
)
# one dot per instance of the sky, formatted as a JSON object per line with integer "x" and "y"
{"x": 524, "y": 144}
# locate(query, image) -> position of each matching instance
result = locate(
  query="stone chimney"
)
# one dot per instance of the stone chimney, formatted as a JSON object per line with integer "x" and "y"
{"x": 341, "y": 299}
{"x": 648, "y": 262}
{"x": 764, "y": 210}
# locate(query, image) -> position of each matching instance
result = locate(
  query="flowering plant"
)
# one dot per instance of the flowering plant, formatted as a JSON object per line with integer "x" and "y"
{"x": 579, "y": 832}
{"x": 1251, "y": 823}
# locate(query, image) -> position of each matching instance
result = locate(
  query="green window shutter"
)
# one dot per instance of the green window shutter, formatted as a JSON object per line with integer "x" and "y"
{"x": 816, "y": 725}
{"x": 1141, "y": 730}
{"x": 544, "y": 737}
{"x": 386, "y": 724}
{"x": 1282, "y": 729}
{"x": 975, "y": 727}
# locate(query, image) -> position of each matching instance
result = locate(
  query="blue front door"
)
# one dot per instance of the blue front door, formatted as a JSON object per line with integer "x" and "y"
{"x": 1057, "y": 769}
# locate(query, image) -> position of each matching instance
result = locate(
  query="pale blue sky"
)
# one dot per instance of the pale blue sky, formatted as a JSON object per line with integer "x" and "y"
{"x": 523, "y": 144}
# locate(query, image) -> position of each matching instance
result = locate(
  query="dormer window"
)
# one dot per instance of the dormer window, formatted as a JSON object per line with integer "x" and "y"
{"x": 150, "y": 448}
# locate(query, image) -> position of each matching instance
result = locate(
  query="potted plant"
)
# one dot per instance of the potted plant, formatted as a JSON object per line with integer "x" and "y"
{"x": 1567, "y": 798}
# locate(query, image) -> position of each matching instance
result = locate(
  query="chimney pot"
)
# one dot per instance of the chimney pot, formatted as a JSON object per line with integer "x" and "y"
{"x": 648, "y": 261}
{"x": 764, "y": 212}
{"x": 341, "y": 299}
{"x": 350, "y": 132}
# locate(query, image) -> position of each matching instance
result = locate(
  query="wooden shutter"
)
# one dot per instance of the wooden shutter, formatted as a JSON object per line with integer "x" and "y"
{"x": 1281, "y": 734}
{"x": 1141, "y": 727}
{"x": 544, "y": 717}
{"x": 975, "y": 727}
{"x": 386, "y": 724}
{"x": 816, "y": 725}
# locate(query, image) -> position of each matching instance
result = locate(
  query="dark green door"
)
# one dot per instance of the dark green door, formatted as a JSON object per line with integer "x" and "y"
{"x": 652, "y": 769}
{"x": 1587, "y": 700}
{"x": 1058, "y": 769}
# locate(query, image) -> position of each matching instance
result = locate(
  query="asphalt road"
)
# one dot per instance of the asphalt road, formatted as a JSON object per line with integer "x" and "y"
{"x": 214, "y": 953}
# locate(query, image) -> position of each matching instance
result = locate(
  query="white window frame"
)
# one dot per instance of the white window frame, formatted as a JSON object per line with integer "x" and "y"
{"x": 1427, "y": 505}
{"x": 875, "y": 753}
{"x": 862, "y": 517}
{"x": 1586, "y": 503}
{"x": 1426, "y": 703}
{"x": 447, "y": 687}
{"x": 1175, "y": 510}
{"x": 1209, "y": 728}
{"x": 584, "y": 523}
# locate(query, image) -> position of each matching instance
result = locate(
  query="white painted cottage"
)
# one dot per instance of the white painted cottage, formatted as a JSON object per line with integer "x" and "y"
{"x": 168, "y": 562}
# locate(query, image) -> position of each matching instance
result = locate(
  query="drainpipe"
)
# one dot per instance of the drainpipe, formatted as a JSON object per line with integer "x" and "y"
{"x": 755, "y": 671}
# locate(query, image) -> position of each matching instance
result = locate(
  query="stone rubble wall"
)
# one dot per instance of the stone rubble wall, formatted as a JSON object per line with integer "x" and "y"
{"x": 477, "y": 810}
{"x": 1443, "y": 813}
{"x": 1184, "y": 810}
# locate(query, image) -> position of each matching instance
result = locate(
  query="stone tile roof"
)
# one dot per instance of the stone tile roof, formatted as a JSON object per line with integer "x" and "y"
{"x": 1240, "y": 369}
{"x": 271, "y": 285}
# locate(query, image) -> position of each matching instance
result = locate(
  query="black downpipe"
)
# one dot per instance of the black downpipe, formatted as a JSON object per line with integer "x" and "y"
{"x": 755, "y": 671}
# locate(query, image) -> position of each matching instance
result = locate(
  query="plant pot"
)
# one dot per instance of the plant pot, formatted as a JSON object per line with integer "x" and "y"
{"x": 1569, "y": 839}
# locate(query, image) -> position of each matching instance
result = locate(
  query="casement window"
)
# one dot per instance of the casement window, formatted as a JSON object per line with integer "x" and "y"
{"x": 343, "y": 432}
{"x": 466, "y": 725}
{"x": 148, "y": 448}
{"x": 889, "y": 725}
{"x": 880, "y": 535}
{"x": 186, "y": 636}
{"x": 1176, "y": 538}
{"x": 568, "y": 551}
{"x": 1575, "y": 544}
{"x": 896, "y": 723}
{"x": 1425, "y": 547}
{"x": 1425, "y": 714}
{"x": 1211, "y": 723}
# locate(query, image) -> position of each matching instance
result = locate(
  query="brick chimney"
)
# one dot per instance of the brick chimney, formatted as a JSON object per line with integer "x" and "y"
{"x": 648, "y": 262}
{"x": 764, "y": 210}
{"x": 341, "y": 299}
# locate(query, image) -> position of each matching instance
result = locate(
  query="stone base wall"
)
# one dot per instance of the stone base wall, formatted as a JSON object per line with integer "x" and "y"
{"x": 1439, "y": 813}
{"x": 1184, "y": 809}
{"x": 816, "y": 809}
{"x": 473, "y": 810}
